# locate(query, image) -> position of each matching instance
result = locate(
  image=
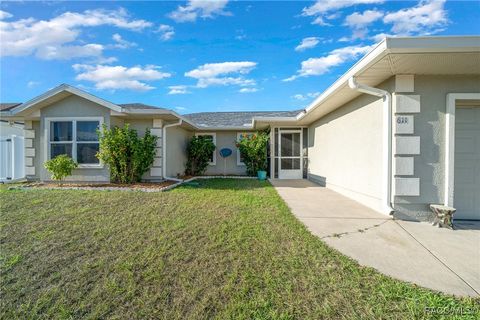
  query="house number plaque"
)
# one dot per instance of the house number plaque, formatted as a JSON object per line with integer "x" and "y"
{"x": 404, "y": 124}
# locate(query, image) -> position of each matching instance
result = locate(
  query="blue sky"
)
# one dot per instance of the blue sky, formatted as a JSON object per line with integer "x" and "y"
{"x": 194, "y": 56}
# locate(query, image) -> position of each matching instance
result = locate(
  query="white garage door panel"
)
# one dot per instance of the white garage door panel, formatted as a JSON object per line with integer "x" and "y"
{"x": 467, "y": 163}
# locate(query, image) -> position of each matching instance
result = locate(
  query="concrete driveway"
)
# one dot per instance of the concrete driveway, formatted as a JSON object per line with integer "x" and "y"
{"x": 439, "y": 259}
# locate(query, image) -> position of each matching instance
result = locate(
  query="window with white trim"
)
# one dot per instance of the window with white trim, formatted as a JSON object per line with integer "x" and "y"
{"x": 212, "y": 137}
{"x": 77, "y": 138}
{"x": 240, "y": 136}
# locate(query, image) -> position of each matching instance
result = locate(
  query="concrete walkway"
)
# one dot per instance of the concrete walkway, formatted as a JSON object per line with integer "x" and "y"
{"x": 439, "y": 259}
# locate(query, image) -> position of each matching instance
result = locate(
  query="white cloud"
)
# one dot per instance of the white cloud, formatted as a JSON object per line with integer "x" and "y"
{"x": 122, "y": 43}
{"x": 322, "y": 65}
{"x": 223, "y": 73}
{"x": 307, "y": 43}
{"x": 69, "y": 52}
{"x": 424, "y": 18}
{"x": 5, "y": 15}
{"x": 303, "y": 97}
{"x": 181, "y": 89}
{"x": 55, "y": 38}
{"x": 32, "y": 84}
{"x": 248, "y": 90}
{"x": 166, "y": 32}
{"x": 180, "y": 109}
{"x": 322, "y": 8}
{"x": 199, "y": 9}
{"x": 380, "y": 36}
{"x": 119, "y": 77}
{"x": 360, "y": 21}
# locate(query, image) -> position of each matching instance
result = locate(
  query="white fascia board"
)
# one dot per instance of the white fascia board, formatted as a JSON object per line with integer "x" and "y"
{"x": 439, "y": 44}
{"x": 399, "y": 45}
{"x": 233, "y": 128}
{"x": 148, "y": 111}
{"x": 376, "y": 54}
{"x": 275, "y": 119}
{"x": 68, "y": 88}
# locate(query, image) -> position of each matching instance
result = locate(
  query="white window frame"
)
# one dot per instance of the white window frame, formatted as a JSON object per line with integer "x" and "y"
{"x": 74, "y": 141}
{"x": 214, "y": 136}
{"x": 240, "y": 163}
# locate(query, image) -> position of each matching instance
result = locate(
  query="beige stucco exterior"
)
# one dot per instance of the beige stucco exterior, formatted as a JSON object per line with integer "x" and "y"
{"x": 75, "y": 107}
{"x": 177, "y": 139}
{"x": 429, "y": 165}
{"x": 345, "y": 150}
{"x": 226, "y": 139}
{"x": 69, "y": 108}
{"x": 345, "y": 146}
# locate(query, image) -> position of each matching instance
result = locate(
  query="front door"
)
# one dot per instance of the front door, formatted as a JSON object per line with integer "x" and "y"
{"x": 290, "y": 145}
{"x": 466, "y": 197}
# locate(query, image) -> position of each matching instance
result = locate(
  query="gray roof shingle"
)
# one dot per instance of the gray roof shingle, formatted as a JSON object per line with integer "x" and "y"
{"x": 8, "y": 105}
{"x": 233, "y": 119}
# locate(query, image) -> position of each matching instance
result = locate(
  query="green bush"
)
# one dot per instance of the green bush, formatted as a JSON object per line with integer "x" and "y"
{"x": 254, "y": 151}
{"x": 199, "y": 151}
{"x": 61, "y": 166}
{"x": 127, "y": 155}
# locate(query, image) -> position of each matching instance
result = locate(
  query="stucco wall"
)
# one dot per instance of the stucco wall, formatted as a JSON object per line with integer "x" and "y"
{"x": 429, "y": 124}
{"x": 345, "y": 150}
{"x": 6, "y": 129}
{"x": 70, "y": 107}
{"x": 177, "y": 139}
{"x": 226, "y": 139}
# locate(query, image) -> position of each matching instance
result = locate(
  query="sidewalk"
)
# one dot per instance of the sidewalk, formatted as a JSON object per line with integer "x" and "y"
{"x": 439, "y": 259}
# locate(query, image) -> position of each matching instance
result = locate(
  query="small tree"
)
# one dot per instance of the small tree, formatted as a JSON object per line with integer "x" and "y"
{"x": 253, "y": 148}
{"x": 61, "y": 167}
{"x": 199, "y": 151}
{"x": 127, "y": 155}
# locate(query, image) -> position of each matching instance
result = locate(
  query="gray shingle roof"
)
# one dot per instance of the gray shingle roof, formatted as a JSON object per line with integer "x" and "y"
{"x": 233, "y": 119}
{"x": 138, "y": 106}
{"x": 8, "y": 105}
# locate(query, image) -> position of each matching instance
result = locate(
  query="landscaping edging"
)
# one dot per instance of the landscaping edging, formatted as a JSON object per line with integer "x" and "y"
{"x": 140, "y": 189}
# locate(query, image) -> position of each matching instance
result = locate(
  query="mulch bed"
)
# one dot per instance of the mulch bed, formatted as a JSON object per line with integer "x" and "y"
{"x": 139, "y": 186}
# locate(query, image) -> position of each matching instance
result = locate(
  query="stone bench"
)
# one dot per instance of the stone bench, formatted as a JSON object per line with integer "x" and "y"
{"x": 443, "y": 216}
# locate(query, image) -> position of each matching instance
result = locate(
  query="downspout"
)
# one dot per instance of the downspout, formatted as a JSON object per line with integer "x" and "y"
{"x": 164, "y": 149}
{"x": 387, "y": 198}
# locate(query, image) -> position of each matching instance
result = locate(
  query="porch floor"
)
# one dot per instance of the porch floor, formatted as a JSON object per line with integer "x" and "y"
{"x": 439, "y": 259}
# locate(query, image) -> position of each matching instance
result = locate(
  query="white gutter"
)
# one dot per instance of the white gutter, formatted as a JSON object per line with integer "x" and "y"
{"x": 164, "y": 148}
{"x": 387, "y": 139}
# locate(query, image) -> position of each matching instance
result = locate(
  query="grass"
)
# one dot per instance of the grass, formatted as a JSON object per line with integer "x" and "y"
{"x": 228, "y": 249}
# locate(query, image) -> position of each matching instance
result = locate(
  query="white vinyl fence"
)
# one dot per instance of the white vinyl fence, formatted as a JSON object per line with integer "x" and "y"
{"x": 12, "y": 158}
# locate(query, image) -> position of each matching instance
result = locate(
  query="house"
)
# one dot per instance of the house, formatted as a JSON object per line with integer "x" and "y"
{"x": 398, "y": 131}
{"x": 11, "y": 148}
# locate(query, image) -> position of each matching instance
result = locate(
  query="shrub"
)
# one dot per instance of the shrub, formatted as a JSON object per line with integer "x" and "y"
{"x": 61, "y": 166}
{"x": 254, "y": 151}
{"x": 199, "y": 151}
{"x": 127, "y": 155}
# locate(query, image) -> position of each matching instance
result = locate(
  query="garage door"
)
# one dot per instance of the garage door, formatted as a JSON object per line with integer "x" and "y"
{"x": 467, "y": 163}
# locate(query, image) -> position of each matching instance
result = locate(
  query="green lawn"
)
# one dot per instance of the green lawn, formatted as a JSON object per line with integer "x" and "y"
{"x": 228, "y": 249}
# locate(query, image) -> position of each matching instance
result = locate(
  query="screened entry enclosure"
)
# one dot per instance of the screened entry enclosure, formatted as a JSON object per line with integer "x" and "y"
{"x": 290, "y": 153}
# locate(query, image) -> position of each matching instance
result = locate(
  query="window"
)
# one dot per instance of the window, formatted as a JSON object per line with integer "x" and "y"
{"x": 240, "y": 136}
{"x": 213, "y": 138}
{"x": 76, "y": 138}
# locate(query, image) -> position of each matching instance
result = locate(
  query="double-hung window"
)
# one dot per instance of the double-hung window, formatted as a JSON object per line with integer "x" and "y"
{"x": 240, "y": 136}
{"x": 77, "y": 138}
{"x": 212, "y": 137}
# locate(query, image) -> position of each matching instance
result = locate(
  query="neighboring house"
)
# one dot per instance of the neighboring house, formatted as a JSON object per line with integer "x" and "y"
{"x": 12, "y": 156}
{"x": 398, "y": 131}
